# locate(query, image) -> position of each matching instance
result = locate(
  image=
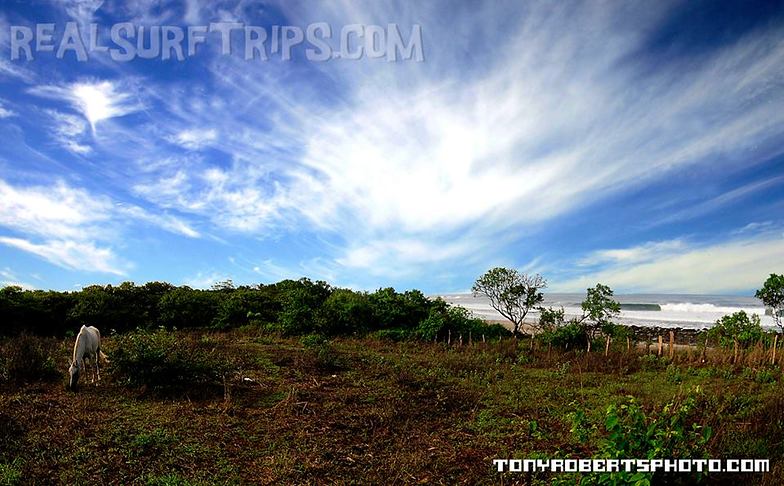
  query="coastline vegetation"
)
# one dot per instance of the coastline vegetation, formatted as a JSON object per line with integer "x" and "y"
{"x": 300, "y": 382}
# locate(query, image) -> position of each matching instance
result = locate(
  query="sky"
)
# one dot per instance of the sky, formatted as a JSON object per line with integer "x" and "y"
{"x": 637, "y": 144}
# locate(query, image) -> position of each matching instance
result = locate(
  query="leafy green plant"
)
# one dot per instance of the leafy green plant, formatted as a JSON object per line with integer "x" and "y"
{"x": 161, "y": 359}
{"x": 772, "y": 295}
{"x": 738, "y": 326}
{"x": 670, "y": 433}
{"x": 11, "y": 473}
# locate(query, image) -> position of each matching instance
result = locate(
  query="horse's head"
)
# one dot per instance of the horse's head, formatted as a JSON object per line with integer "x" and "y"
{"x": 73, "y": 372}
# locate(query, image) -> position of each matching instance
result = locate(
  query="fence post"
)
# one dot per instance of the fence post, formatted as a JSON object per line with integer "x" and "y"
{"x": 461, "y": 339}
{"x": 483, "y": 339}
{"x": 735, "y": 358}
{"x": 470, "y": 339}
{"x": 775, "y": 343}
{"x": 659, "y": 353}
{"x": 607, "y": 347}
{"x": 628, "y": 344}
{"x": 449, "y": 337}
{"x": 672, "y": 343}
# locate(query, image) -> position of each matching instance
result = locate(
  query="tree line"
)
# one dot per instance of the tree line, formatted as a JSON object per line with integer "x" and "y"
{"x": 290, "y": 307}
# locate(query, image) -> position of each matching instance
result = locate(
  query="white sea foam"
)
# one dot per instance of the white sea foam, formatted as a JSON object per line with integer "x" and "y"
{"x": 693, "y": 311}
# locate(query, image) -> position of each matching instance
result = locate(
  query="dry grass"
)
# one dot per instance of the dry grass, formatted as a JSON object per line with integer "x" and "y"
{"x": 367, "y": 411}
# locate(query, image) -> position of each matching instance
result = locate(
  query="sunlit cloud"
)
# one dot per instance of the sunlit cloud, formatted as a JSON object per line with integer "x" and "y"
{"x": 738, "y": 265}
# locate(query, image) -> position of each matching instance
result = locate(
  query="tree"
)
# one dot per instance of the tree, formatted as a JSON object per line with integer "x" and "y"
{"x": 599, "y": 309}
{"x": 511, "y": 293}
{"x": 772, "y": 295}
{"x": 740, "y": 327}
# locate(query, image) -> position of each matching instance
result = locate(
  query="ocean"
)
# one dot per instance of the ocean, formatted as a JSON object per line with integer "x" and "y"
{"x": 662, "y": 310}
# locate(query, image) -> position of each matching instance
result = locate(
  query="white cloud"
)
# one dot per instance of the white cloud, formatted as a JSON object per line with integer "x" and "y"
{"x": 74, "y": 228}
{"x": 9, "y": 278}
{"x": 165, "y": 221}
{"x": 733, "y": 266}
{"x": 56, "y": 211}
{"x": 5, "y": 112}
{"x": 194, "y": 139}
{"x": 556, "y": 118}
{"x": 204, "y": 280}
{"x": 638, "y": 254}
{"x": 76, "y": 255}
{"x": 69, "y": 131}
{"x": 95, "y": 100}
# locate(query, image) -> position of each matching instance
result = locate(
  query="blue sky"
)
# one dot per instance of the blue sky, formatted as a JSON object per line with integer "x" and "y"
{"x": 638, "y": 144}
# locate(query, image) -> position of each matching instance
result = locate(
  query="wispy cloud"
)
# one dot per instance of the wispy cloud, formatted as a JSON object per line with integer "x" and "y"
{"x": 737, "y": 265}
{"x": 76, "y": 255}
{"x": 5, "y": 112}
{"x": 194, "y": 139}
{"x": 95, "y": 100}
{"x": 74, "y": 228}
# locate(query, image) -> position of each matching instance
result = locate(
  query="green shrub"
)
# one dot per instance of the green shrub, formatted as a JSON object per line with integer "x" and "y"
{"x": 344, "y": 312}
{"x": 567, "y": 336}
{"x": 10, "y": 473}
{"x": 746, "y": 329}
{"x": 301, "y": 300}
{"x": 670, "y": 433}
{"x": 26, "y": 359}
{"x": 444, "y": 318}
{"x": 396, "y": 334}
{"x": 320, "y": 353}
{"x": 160, "y": 359}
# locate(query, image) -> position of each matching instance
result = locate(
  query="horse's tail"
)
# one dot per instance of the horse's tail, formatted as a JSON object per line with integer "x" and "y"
{"x": 103, "y": 357}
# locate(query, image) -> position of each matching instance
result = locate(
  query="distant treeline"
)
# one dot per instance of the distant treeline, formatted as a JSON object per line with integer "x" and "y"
{"x": 292, "y": 307}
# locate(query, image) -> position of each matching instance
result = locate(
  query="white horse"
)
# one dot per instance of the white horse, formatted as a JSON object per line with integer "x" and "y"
{"x": 88, "y": 344}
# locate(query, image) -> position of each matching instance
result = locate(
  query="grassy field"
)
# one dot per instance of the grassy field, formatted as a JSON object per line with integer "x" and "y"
{"x": 366, "y": 411}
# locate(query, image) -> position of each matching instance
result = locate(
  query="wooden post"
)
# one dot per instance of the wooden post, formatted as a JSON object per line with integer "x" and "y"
{"x": 607, "y": 347}
{"x": 735, "y": 358}
{"x": 672, "y": 343}
{"x": 470, "y": 339}
{"x": 628, "y": 344}
{"x": 532, "y": 341}
{"x": 660, "y": 346}
{"x": 449, "y": 337}
{"x": 461, "y": 339}
{"x": 483, "y": 339}
{"x": 775, "y": 343}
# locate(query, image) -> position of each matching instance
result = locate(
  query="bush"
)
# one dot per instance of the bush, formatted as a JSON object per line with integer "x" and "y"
{"x": 160, "y": 359}
{"x": 344, "y": 312}
{"x": 746, "y": 329}
{"x": 671, "y": 433}
{"x": 27, "y": 358}
{"x": 444, "y": 318}
{"x": 567, "y": 336}
{"x": 10, "y": 473}
{"x": 392, "y": 309}
{"x": 301, "y": 300}
{"x": 396, "y": 334}
{"x": 320, "y": 353}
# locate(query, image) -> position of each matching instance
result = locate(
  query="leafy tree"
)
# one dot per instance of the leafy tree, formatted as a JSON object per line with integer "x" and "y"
{"x": 186, "y": 307}
{"x": 746, "y": 329}
{"x": 772, "y": 295}
{"x": 511, "y": 293}
{"x": 599, "y": 309}
{"x": 344, "y": 312}
{"x": 301, "y": 300}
